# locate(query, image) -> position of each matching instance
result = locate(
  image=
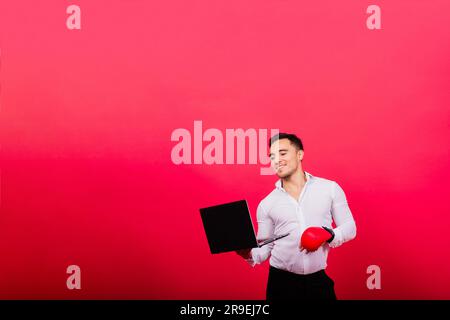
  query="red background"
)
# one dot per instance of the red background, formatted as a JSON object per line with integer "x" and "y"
{"x": 87, "y": 115}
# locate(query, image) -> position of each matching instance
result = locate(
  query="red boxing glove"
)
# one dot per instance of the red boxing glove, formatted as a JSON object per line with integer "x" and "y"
{"x": 314, "y": 237}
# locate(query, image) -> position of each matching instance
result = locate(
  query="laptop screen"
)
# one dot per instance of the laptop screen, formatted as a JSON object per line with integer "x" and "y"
{"x": 228, "y": 227}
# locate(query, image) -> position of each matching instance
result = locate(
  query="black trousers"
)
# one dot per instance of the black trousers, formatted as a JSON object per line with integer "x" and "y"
{"x": 284, "y": 285}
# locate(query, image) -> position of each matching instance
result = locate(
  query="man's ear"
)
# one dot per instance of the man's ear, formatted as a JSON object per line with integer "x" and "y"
{"x": 300, "y": 155}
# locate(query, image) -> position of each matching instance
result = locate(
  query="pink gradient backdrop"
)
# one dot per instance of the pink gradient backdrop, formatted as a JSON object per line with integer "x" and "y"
{"x": 86, "y": 119}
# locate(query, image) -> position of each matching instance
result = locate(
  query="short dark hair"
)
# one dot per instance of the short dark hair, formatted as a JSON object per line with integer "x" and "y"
{"x": 291, "y": 137}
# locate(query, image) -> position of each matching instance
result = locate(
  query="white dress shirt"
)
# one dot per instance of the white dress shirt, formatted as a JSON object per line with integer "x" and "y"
{"x": 321, "y": 201}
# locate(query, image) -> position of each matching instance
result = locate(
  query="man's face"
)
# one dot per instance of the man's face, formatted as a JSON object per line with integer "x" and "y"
{"x": 284, "y": 158}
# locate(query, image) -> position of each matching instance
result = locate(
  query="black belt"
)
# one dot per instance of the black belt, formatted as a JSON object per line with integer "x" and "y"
{"x": 317, "y": 274}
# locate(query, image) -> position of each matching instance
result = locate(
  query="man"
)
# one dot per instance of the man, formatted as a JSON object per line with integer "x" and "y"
{"x": 305, "y": 207}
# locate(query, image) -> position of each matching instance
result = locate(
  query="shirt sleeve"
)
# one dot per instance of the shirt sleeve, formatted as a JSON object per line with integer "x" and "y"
{"x": 345, "y": 224}
{"x": 265, "y": 231}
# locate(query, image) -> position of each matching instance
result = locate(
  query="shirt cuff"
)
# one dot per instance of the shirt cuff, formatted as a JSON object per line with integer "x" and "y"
{"x": 337, "y": 241}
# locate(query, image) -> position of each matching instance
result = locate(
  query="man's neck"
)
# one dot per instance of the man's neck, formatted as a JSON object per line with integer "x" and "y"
{"x": 295, "y": 181}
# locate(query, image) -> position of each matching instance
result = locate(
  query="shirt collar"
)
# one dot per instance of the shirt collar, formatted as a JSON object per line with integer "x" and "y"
{"x": 307, "y": 174}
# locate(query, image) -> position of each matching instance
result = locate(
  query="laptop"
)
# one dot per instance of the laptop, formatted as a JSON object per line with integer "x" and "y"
{"x": 229, "y": 227}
